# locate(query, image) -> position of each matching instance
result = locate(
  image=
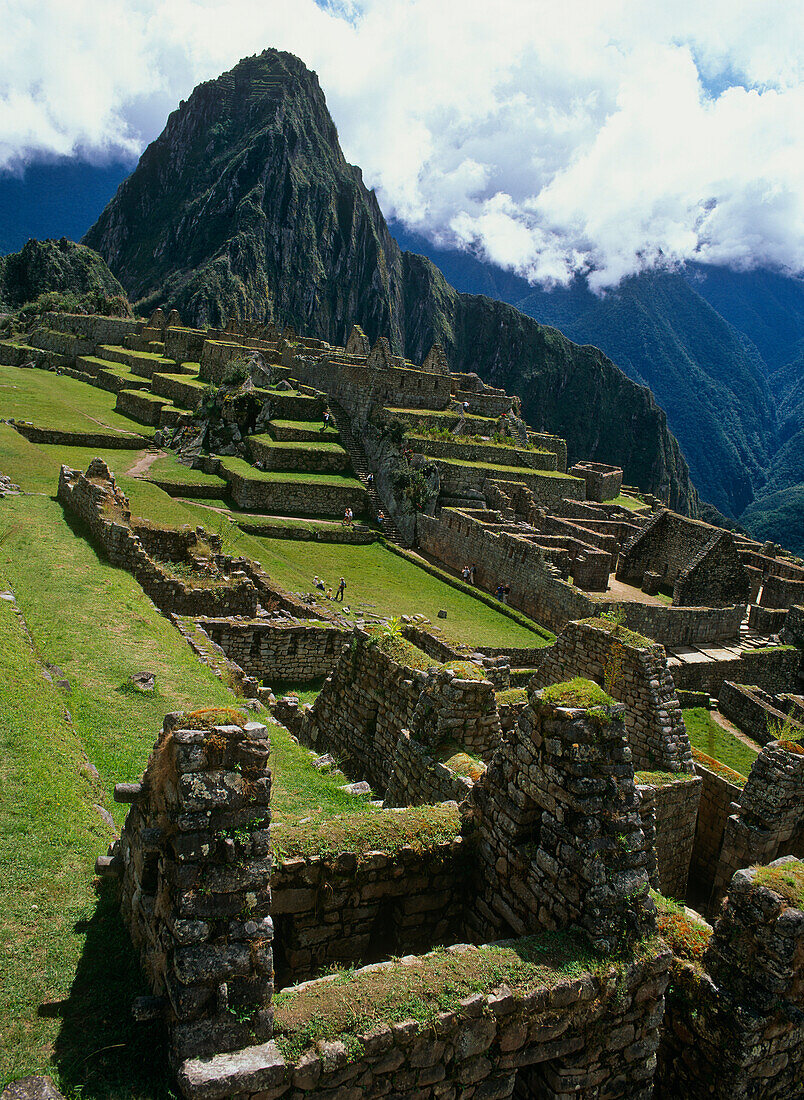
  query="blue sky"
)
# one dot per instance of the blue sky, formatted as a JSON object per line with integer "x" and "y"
{"x": 593, "y": 137}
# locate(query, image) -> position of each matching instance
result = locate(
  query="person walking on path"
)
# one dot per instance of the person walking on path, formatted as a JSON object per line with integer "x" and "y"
{"x": 341, "y": 588}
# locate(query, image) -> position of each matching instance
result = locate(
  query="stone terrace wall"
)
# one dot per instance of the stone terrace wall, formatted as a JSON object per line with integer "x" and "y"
{"x": 95, "y": 499}
{"x": 602, "y": 482}
{"x": 418, "y": 780}
{"x": 700, "y": 560}
{"x": 674, "y": 807}
{"x": 195, "y": 860}
{"x": 582, "y": 1036}
{"x": 780, "y": 592}
{"x": 282, "y": 650}
{"x": 292, "y": 497}
{"x": 754, "y": 712}
{"x": 455, "y": 539}
{"x": 342, "y": 910}
{"x": 550, "y": 851}
{"x": 635, "y": 676}
{"x": 736, "y": 1028}
{"x": 370, "y": 699}
{"x": 361, "y": 388}
{"x": 770, "y": 820}
{"x": 718, "y": 795}
{"x": 361, "y": 709}
{"x": 775, "y": 671}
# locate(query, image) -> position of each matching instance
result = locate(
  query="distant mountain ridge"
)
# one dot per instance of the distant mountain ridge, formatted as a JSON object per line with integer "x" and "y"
{"x": 245, "y": 207}
{"x": 722, "y": 351}
{"x": 59, "y": 267}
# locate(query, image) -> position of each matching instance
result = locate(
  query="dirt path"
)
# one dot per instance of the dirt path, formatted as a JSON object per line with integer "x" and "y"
{"x": 142, "y": 464}
{"x": 725, "y": 724}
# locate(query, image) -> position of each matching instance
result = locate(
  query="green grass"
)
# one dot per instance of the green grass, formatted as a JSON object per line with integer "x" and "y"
{"x": 352, "y": 1003}
{"x": 384, "y": 583}
{"x": 243, "y": 469}
{"x": 500, "y": 472}
{"x": 512, "y": 695}
{"x": 64, "y": 1010}
{"x": 316, "y": 447}
{"x": 577, "y": 692}
{"x": 306, "y": 426}
{"x": 787, "y": 881}
{"x": 712, "y": 739}
{"x": 112, "y": 631}
{"x": 375, "y": 830}
{"x": 168, "y": 469}
{"x": 624, "y": 501}
{"x": 52, "y": 400}
{"x": 686, "y": 935}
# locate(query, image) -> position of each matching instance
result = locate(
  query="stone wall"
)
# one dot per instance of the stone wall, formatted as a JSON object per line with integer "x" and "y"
{"x": 140, "y": 405}
{"x": 587, "y": 1036}
{"x": 370, "y": 699}
{"x": 417, "y": 779}
{"x": 633, "y": 674}
{"x": 770, "y": 819}
{"x": 299, "y": 457}
{"x": 781, "y": 592}
{"x": 373, "y": 387}
{"x": 195, "y": 862}
{"x": 602, "y": 482}
{"x": 254, "y": 494}
{"x": 733, "y": 1025}
{"x": 117, "y": 441}
{"x": 775, "y": 670}
{"x": 700, "y": 563}
{"x": 483, "y": 452}
{"x": 95, "y": 499}
{"x": 279, "y": 650}
{"x": 345, "y": 910}
{"x": 502, "y": 558}
{"x": 757, "y": 713}
{"x": 534, "y": 869}
{"x": 714, "y": 808}
{"x": 674, "y": 807}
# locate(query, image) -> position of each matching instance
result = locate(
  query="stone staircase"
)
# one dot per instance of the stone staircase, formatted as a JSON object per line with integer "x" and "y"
{"x": 361, "y": 468}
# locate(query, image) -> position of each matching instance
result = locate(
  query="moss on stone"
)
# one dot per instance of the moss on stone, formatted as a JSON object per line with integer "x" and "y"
{"x": 786, "y": 880}
{"x": 466, "y": 670}
{"x": 512, "y": 696}
{"x": 686, "y": 934}
{"x": 620, "y": 632}
{"x": 577, "y": 692}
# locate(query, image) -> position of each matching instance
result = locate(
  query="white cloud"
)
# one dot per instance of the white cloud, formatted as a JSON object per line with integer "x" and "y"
{"x": 592, "y": 135}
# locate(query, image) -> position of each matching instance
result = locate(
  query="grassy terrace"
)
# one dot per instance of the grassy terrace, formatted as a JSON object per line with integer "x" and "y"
{"x": 52, "y": 400}
{"x": 624, "y": 501}
{"x": 169, "y": 470}
{"x": 710, "y": 738}
{"x": 502, "y": 471}
{"x": 323, "y": 446}
{"x": 351, "y": 1004}
{"x": 381, "y": 582}
{"x": 306, "y": 426}
{"x": 243, "y": 469}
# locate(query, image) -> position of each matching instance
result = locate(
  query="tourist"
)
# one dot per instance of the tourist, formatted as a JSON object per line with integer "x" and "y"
{"x": 319, "y": 584}
{"x": 329, "y": 593}
{"x": 499, "y": 592}
{"x": 472, "y": 573}
{"x": 506, "y": 593}
{"x": 466, "y": 573}
{"x": 341, "y": 587}
{"x": 380, "y": 516}
{"x": 369, "y": 480}
{"x": 326, "y": 419}
{"x": 347, "y": 517}
{"x": 465, "y": 407}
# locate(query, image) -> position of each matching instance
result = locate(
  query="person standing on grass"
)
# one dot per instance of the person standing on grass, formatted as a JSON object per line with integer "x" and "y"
{"x": 326, "y": 419}
{"x": 341, "y": 588}
{"x": 466, "y": 573}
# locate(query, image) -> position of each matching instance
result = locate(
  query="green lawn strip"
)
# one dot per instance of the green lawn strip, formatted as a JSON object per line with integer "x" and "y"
{"x": 69, "y": 973}
{"x": 384, "y": 583}
{"x": 624, "y": 501}
{"x": 713, "y": 740}
{"x": 306, "y": 693}
{"x": 112, "y": 631}
{"x": 500, "y": 471}
{"x": 317, "y": 446}
{"x": 51, "y": 400}
{"x": 167, "y": 468}
{"x": 376, "y": 830}
{"x": 440, "y": 435}
{"x": 185, "y": 379}
{"x": 472, "y": 419}
{"x": 305, "y": 426}
{"x": 250, "y": 473}
{"x": 540, "y": 635}
{"x": 352, "y": 1003}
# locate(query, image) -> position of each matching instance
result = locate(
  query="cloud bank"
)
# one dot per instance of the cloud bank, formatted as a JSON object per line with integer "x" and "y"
{"x": 591, "y": 136}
